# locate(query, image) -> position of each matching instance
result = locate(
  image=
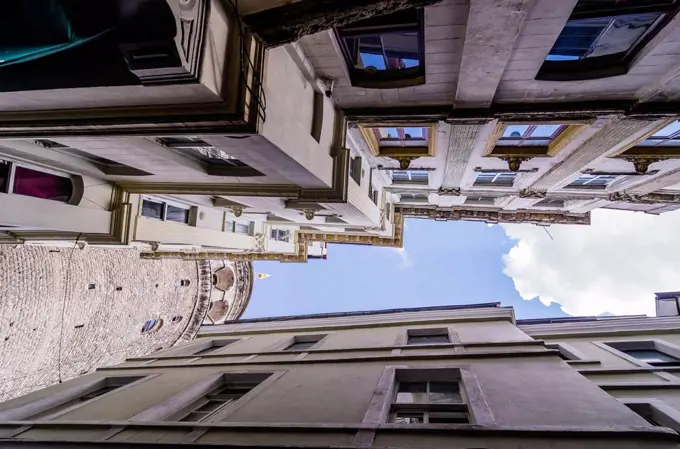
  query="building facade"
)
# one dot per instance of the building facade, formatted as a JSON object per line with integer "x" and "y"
{"x": 453, "y": 377}
{"x": 65, "y": 312}
{"x": 265, "y": 129}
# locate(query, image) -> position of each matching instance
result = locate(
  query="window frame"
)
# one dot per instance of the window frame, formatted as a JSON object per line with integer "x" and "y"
{"x": 409, "y": 174}
{"x": 497, "y": 175}
{"x": 587, "y": 185}
{"x": 380, "y": 408}
{"x": 619, "y": 348}
{"x": 608, "y": 65}
{"x": 77, "y": 184}
{"x": 416, "y": 197}
{"x": 384, "y": 79}
{"x": 187, "y": 149}
{"x": 428, "y": 332}
{"x": 662, "y": 414}
{"x": 175, "y": 405}
{"x": 277, "y": 231}
{"x": 164, "y": 210}
{"x": 53, "y": 400}
{"x": 209, "y": 347}
{"x": 289, "y": 343}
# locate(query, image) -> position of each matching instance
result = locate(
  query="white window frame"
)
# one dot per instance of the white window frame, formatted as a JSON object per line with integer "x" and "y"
{"x": 497, "y": 175}
{"x": 587, "y": 184}
{"x": 164, "y": 213}
{"x": 410, "y": 179}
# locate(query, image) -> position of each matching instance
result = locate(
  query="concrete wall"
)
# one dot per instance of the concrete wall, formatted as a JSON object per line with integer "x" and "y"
{"x": 321, "y": 396}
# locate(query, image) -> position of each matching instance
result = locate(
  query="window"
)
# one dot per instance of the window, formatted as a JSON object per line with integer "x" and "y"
{"x": 385, "y": 51}
{"x": 429, "y": 396}
{"x": 413, "y": 198}
{"x": 106, "y": 166}
{"x": 151, "y": 325}
{"x": 410, "y": 176}
{"x": 355, "y": 169}
{"x": 37, "y": 184}
{"x": 216, "y": 161}
{"x": 213, "y": 346}
{"x": 651, "y": 352}
{"x": 550, "y": 202}
{"x": 586, "y": 181}
{"x": 499, "y": 179}
{"x": 238, "y": 227}
{"x": 304, "y": 342}
{"x": 428, "y": 336}
{"x": 177, "y": 318}
{"x": 402, "y": 137}
{"x": 480, "y": 200}
{"x": 282, "y": 235}
{"x": 530, "y": 135}
{"x": 163, "y": 211}
{"x": 317, "y": 116}
{"x": 655, "y": 412}
{"x": 669, "y": 136}
{"x": 96, "y": 390}
{"x": 602, "y": 37}
{"x": 218, "y": 399}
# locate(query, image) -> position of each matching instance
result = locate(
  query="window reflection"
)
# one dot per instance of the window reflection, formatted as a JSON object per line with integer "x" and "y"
{"x": 41, "y": 185}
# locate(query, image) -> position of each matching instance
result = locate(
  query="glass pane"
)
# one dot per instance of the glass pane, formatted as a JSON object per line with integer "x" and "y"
{"x": 412, "y": 392}
{"x": 545, "y": 130}
{"x": 651, "y": 356}
{"x": 577, "y": 37}
{"x": 4, "y": 176}
{"x": 152, "y": 209}
{"x": 515, "y": 131}
{"x": 409, "y": 418}
{"x": 649, "y": 143}
{"x": 400, "y": 46}
{"x": 669, "y": 143}
{"x": 400, "y": 175}
{"x": 42, "y": 185}
{"x": 388, "y": 133}
{"x": 445, "y": 393}
{"x": 373, "y": 60}
{"x": 448, "y": 418}
{"x": 668, "y": 130}
{"x": 427, "y": 339}
{"x": 229, "y": 225}
{"x": 413, "y": 133}
{"x": 177, "y": 214}
{"x": 419, "y": 176}
{"x": 242, "y": 228}
{"x": 622, "y": 34}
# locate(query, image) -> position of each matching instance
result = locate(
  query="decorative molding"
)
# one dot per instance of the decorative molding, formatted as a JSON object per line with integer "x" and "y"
{"x": 497, "y": 170}
{"x": 514, "y": 162}
{"x": 237, "y": 211}
{"x": 448, "y": 192}
{"x": 404, "y": 161}
{"x": 619, "y": 173}
{"x": 536, "y": 217}
{"x": 650, "y": 198}
{"x": 289, "y": 23}
{"x": 302, "y": 240}
{"x": 308, "y": 213}
{"x": 382, "y": 167}
{"x": 642, "y": 164}
{"x": 528, "y": 193}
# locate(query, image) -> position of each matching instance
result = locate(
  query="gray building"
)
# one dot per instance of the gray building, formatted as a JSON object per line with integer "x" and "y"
{"x": 468, "y": 376}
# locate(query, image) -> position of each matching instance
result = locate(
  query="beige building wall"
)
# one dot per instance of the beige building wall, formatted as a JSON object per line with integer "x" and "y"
{"x": 518, "y": 390}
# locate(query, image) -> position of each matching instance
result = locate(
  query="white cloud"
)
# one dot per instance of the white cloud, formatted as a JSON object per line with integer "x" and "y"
{"x": 614, "y": 265}
{"x": 406, "y": 260}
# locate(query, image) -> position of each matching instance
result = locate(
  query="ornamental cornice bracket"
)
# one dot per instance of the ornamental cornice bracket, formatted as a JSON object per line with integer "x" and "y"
{"x": 448, "y": 192}
{"x": 308, "y": 213}
{"x": 514, "y": 162}
{"x": 237, "y": 211}
{"x": 642, "y": 164}
{"x": 627, "y": 197}
{"x": 404, "y": 161}
{"x": 528, "y": 193}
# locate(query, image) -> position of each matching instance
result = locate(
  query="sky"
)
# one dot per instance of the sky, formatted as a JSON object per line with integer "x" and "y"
{"x": 614, "y": 266}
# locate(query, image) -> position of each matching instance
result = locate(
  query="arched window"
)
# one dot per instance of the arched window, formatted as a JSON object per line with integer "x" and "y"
{"x": 151, "y": 325}
{"x": 176, "y": 319}
{"x": 184, "y": 282}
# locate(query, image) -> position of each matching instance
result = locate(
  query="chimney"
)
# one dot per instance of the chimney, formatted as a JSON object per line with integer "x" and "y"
{"x": 667, "y": 304}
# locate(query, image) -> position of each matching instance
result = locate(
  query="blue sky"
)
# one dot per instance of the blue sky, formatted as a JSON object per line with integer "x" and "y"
{"x": 443, "y": 263}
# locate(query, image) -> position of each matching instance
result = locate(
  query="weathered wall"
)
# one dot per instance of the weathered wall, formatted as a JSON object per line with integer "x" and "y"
{"x": 100, "y": 326}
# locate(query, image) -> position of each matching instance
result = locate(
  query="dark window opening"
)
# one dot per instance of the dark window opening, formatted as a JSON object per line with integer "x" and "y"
{"x": 586, "y": 181}
{"x": 176, "y": 319}
{"x": 602, "y": 37}
{"x": 217, "y": 162}
{"x": 317, "y": 116}
{"x": 480, "y": 200}
{"x": 385, "y": 51}
{"x": 214, "y": 345}
{"x": 436, "y": 401}
{"x": 427, "y": 336}
{"x": 177, "y": 214}
{"x": 163, "y": 211}
{"x": 184, "y": 282}
{"x": 91, "y": 286}
{"x": 304, "y": 342}
{"x": 496, "y": 179}
{"x": 355, "y": 169}
{"x": 150, "y": 325}
{"x": 550, "y": 202}
{"x": 80, "y": 43}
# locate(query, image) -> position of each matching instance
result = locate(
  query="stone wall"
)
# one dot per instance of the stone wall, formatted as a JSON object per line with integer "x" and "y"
{"x": 95, "y": 301}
